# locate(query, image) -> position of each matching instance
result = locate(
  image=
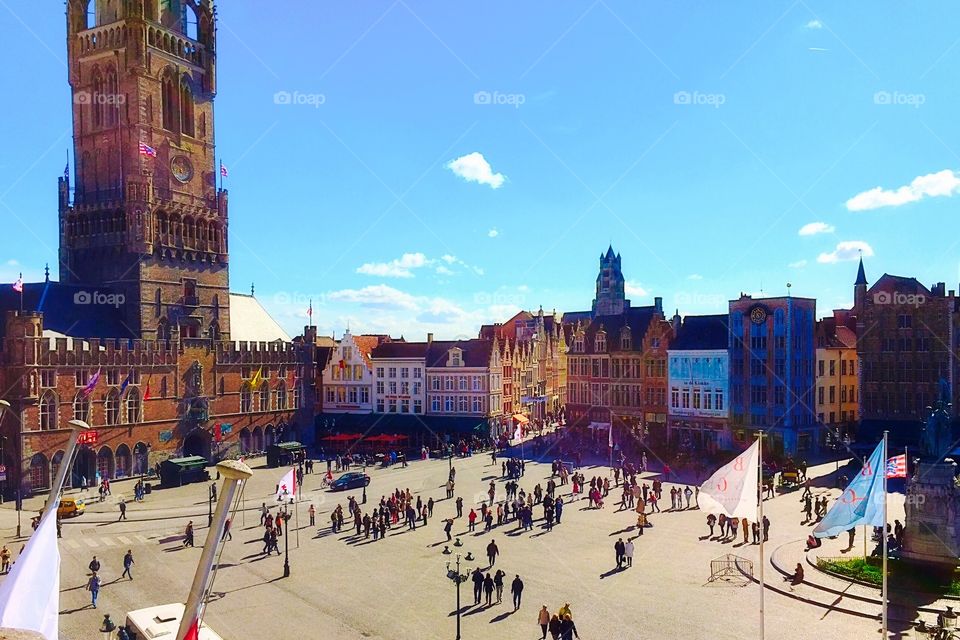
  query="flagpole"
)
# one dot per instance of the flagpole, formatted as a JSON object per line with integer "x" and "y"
{"x": 21, "y": 293}
{"x": 884, "y": 534}
{"x": 760, "y": 522}
{"x": 53, "y": 502}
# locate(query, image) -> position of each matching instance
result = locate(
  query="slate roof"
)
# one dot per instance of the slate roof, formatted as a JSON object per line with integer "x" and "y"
{"x": 63, "y": 314}
{"x": 476, "y": 352}
{"x": 637, "y": 319}
{"x": 322, "y": 356}
{"x": 400, "y": 350}
{"x": 901, "y": 284}
{"x": 701, "y": 332}
{"x": 250, "y": 322}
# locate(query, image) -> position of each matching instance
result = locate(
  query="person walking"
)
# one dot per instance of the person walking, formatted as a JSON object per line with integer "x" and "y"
{"x": 766, "y": 529}
{"x": 93, "y": 586}
{"x": 4, "y": 560}
{"x": 688, "y": 493}
{"x": 516, "y": 588}
{"x": 745, "y": 524}
{"x": 477, "y": 577}
{"x": 543, "y": 619}
{"x": 488, "y": 589}
{"x": 492, "y": 552}
{"x": 127, "y": 563}
{"x": 568, "y": 630}
{"x": 188, "y": 535}
{"x": 123, "y": 510}
{"x": 94, "y": 565}
{"x": 264, "y": 512}
{"x": 498, "y": 584}
{"x": 618, "y": 548}
{"x": 472, "y": 520}
{"x": 459, "y": 507}
{"x": 554, "y": 627}
{"x": 226, "y": 530}
{"x": 448, "y": 527}
{"x": 628, "y": 552}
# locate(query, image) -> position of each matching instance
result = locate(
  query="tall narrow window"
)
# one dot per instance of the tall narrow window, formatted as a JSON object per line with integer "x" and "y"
{"x": 169, "y": 97}
{"x": 186, "y": 108}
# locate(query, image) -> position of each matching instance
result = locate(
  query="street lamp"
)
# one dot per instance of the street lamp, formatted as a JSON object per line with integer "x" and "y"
{"x": 458, "y": 579}
{"x": 286, "y": 542}
{"x": 4, "y": 405}
{"x": 210, "y": 506}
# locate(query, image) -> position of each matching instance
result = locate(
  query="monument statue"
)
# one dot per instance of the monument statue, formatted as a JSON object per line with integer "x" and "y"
{"x": 938, "y": 434}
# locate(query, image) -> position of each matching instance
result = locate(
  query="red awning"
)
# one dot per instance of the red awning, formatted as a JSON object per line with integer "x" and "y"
{"x": 522, "y": 419}
{"x": 342, "y": 437}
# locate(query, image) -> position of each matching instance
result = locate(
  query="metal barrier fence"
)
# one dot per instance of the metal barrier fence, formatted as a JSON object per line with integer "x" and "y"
{"x": 730, "y": 566}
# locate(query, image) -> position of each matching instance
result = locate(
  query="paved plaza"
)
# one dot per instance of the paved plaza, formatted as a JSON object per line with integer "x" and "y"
{"x": 351, "y": 588}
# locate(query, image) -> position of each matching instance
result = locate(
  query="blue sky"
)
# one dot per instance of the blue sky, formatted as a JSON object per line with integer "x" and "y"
{"x": 699, "y": 138}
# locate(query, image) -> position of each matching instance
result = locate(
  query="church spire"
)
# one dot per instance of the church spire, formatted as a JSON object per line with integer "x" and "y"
{"x": 861, "y": 275}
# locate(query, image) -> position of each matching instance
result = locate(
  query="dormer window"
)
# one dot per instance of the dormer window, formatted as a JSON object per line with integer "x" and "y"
{"x": 455, "y": 357}
{"x": 578, "y": 344}
{"x": 626, "y": 341}
{"x": 600, "y": 343}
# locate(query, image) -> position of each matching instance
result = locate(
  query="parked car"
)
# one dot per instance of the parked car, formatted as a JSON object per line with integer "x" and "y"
{"x": 350, "y": 480}
{"x": 70, "y": 507}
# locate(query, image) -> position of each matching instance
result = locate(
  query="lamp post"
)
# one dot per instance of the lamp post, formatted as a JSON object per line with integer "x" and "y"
{"x": 458, "y": 579}
{"x": 4, "y": 405}
{"x": 209, "y": 507}
{"x": 286, "y": 542}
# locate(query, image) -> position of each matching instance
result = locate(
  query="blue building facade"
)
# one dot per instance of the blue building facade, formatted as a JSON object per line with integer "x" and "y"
{"x": 772, "y": 358}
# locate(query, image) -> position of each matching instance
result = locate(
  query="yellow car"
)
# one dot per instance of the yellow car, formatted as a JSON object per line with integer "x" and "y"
{"x": 70, "y": 507}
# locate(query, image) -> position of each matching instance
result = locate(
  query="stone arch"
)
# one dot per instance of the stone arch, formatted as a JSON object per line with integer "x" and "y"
{"x": 197, "y": 443}
{"x": 141, "y": 458}
{"x": 258, "y": 439}
{"x": 124, "y": 461}
{"x": 246, "y": 440}
{"x": 39, "y": 472}
{"x": 84, "y": 466}
{"x": 55, "y": 464}
{"x": 106, "y": 465}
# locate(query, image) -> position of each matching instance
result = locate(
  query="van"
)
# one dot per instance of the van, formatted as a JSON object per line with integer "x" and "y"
{"x": 162, "y": 621}
{"x": 70, "y": 507}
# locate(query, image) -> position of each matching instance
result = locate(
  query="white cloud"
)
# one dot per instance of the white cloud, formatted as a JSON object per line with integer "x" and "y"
{"x": 441, "y": 311}
{"x": 473, "y": 167}
{"x": 493, "y": 233}
{"x": 401, "y": 268}
{"x": 813, "y": 228}
{"x": 379, "y": 296}
{"x": 814, "y": 24}
{"x": 449, "y": 259}
{"x": 846, "y": 251}
{"x": 817, "y": 49}
{"x": 941, "y": 183}
{"x": 634, "y": 289}
{"x": 799, "y": 264}
{"x": 444, "y": 271}
{"x": 694, "y": 276}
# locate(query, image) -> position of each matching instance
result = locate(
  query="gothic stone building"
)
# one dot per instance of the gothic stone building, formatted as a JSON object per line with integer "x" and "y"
{"x": 144, "y": 293}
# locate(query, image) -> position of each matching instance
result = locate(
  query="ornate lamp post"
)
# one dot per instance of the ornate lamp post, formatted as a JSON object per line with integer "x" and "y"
{"x": 458, "y": 579}
{"x": 4, "y": 405}
{"x": 286, "y": 542}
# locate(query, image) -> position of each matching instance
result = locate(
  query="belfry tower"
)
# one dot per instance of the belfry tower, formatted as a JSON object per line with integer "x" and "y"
{"x": 145, "y": 217}
{"x": 611, "y": 287}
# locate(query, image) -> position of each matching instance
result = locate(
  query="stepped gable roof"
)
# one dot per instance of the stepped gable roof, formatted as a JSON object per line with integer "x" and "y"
{"x": 399, "y": 350}
{"x": 636, "y": 319}
{"x": 701, "y": 332}
{"x": 476, "y": 352}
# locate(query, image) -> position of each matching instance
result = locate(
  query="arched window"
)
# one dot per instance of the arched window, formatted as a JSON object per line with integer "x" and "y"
{"x": 105, "y": 463}
{"x": 295, "y": 396}
{"x": 600, "y": 342}
{"x": 191, "y": 26}
{"x": 111, "y": 102}
{"x": 214, "y": 330}
{"x": 140, "y": 458}
{"x": 39, "y": 472}
{"x": 186, "y": 108}
{"x": 168, "y": 95}
{"x": 81, "y": 407}
{"x": 134, "y": 406}
{"x": 48, "y": 411}
{"x": 245, "y": 440}
{"x": 282, "y": 396}
{"x": 95, "y": 99}
{"x": 123, "y": 461}
{"x": 264, "y": 393}
{"x": 111, "y": 405}
{"x": 257, "y": 439}
{"x": 245, "y": 398}
{"x": 163, "y": 329}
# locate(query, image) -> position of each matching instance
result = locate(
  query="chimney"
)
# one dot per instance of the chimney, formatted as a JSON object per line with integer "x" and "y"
{"x": 429, "y": 338}
{"x": 939, "y": 289}
{"x": 658, "y": 304}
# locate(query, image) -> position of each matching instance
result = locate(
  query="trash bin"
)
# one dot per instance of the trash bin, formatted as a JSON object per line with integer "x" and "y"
{"x": 147, "y": 487}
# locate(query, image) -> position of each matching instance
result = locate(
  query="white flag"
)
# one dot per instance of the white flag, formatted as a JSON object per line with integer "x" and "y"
{"x": 732, "y": 490}
{"x": 287, "y": 489}
{"x": 30, "y": 595}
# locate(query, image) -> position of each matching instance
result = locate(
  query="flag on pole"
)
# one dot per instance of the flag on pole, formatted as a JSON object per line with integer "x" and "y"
{"x": 897, "y": 466}
{"x": 147, "y": 150}
{"x": 732, "y": 490}
{"x": 223, "y": 170}
{"x": 126, "y": 383}
{"x": 146, "y": 393}
{"x": 66, "y": 171}
{"x": 18, "y": 285}
{"x": 310, "y": 312}
{"x": 287, "y": 489}
{"x": 861, "y": 503}
{"x": 91, "y": 384}
{"x": 256, "y": 379}
{"x": 30, "y": 594}
{"x": 610, "y": 436}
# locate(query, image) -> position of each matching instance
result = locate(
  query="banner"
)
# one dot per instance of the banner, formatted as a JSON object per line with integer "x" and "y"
{"x": 733, "y": 489}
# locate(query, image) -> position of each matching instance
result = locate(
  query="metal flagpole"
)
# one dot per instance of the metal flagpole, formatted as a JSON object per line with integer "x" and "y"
{"x": 233, "y": 473}
{"x": 760, "y": 506}
{"x": 883, "y": 464}
{"x": 53, "y": 502}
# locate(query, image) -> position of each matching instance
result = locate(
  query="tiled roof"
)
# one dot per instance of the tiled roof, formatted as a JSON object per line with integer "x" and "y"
{"x": 637, "y": 319}
{"x": 366, "y": 344}
{"x": 901, "y": 284}
{"x": 476, "y": 353}
{"x": 322, "y": 357}
{"x": 250, "y": 322}
{"x": 701, "y": 332}
{"x": 400, "y": 350}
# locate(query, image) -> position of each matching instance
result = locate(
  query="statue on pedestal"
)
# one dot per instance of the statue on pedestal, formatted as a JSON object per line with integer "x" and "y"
{"x": 938, "y": 434}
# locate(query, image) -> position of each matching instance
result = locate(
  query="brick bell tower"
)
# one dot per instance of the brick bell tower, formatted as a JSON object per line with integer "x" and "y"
{"x": 145, "y": 217}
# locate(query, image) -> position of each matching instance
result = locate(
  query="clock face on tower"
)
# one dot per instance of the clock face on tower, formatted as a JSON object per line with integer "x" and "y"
{"x": 758, "y": 315}
{"x": 181, "y": 168}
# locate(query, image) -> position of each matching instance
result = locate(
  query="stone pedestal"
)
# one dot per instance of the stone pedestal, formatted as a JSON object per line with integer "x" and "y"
{"x": 932, "y": 533}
